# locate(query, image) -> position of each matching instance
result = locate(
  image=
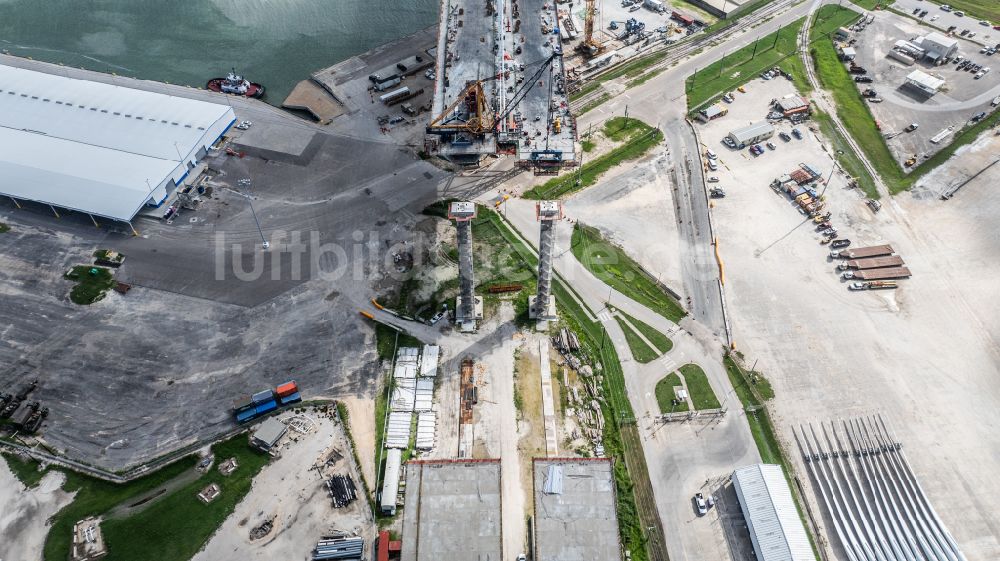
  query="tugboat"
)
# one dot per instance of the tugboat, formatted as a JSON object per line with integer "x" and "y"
{"x": 236, "y": 85}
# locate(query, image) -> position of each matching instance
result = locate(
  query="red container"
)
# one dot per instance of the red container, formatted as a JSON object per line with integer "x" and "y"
{"x": 286, "y": 389}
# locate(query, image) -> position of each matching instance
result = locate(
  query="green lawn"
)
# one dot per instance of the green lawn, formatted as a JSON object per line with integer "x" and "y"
{"x": 176, "y": 526}
{"x": 588, "y": 174}
{"x": 621, "y": 129}
{"x": 92, "y": 283}
{"x": 845, "y": 155}
{"x": 665, "y": 394}
{"x": 26, "y": 471}
{"x": 587, "y": 145}
{"x": 641, "y": 352}
{"x": 661, "y": 341}
{"x": 96, "y": 496}
{"x": 697, "y": 384}
{"x": 870, "y": 4}
{"x": 616, "y": 269}
{"x": 776, "y": 49}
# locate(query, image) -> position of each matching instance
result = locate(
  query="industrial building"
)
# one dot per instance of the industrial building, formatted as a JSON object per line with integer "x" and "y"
{"x": 452, "y": 511}
{"x": 771, "y": 516}
{"x": 575, "y": 512}
{"x": 751, "y": 134}
{"x": 96, "y": 148}
{"x": 268, "y": 434}
{"x": 924, "y": 82}
{"x": 713, "y": 112}
{"x": 937, "y": 46}
{"x": 792, "y": 104}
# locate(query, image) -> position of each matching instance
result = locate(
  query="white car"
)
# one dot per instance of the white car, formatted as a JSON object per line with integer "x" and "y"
{"x": 713, "y": 179}
{"x": 699, "y": 502}
{"x": 244, "y": 125}
{"x": 711, "y": 155}
{"x": 935, "y": 17}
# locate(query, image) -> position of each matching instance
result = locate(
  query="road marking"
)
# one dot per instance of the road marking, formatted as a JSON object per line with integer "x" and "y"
{"x": 604, "y": 316}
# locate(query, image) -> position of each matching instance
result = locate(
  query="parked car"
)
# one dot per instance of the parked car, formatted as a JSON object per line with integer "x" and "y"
{"x": 935, "y": 17}
{"x": 797, "y": 133}
{"x": 946, "y": 7}
{"x": 712, "y": 165}
{"x": 699, "y": 502}
{"x": 840, "y": 243}
{"x": 971, "y": 34}
{"x": 911, "y": 127}
{"x": 960, "y": 14}
{"x": 771, "y": 146}
{"x": 717, "y": 193}
{"x": 244, "y": 125}
{"x": 864, "y": 79}
{"x": 784, "y": 136}
{"x": 711, "y": 155}
{"x": 979, "y": 116}
{"x": 713, "y": 179}
{"x": 923, "y": 13}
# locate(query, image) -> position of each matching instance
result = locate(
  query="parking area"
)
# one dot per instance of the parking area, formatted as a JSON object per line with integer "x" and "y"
{"x": 944, "y": 19}
{"x": 908, "y": 353}
{"x": 939, "y": 116}
{"x": 615, "y": 11}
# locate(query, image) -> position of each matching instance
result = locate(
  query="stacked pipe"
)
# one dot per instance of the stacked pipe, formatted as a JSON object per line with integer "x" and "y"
{"x": 341, "y": 548}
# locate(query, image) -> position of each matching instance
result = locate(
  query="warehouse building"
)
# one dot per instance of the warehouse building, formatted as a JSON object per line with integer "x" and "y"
{"x": 716, "y": 111}
{"x": 924, "y": 82}
{"x": 937, "y": 46}
{"x": 96, "y": 148}
{"x": 575, "y": 511}
{"x": 775, "y": 528}
{"x": 268, "y": 434}
{"x": 751, "y": 134}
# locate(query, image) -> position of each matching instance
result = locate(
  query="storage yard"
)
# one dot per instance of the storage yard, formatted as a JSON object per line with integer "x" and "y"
{"x": 939, "y": 116}
{"x": 869, "y": 341}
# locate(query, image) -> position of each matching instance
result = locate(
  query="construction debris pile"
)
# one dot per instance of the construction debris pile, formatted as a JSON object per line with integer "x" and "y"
{"x": 342, "y": 490}
{"x": 262, "y": 530}
{"x": 583, "y": 406}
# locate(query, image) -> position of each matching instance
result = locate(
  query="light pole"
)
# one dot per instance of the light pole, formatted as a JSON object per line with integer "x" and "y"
{"x": 245, "y": 183}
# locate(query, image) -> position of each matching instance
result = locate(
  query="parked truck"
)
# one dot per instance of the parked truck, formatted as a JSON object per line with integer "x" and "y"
{"x": 861, "y": 252}
{"x": 394, "y": 95}
{"x": 655, "y": 5}
{"x": 872, "y": 263}
{"x": 877, "y": 274}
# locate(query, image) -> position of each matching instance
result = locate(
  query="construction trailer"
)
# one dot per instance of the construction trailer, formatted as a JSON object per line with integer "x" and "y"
{"x": 883, "y": 274}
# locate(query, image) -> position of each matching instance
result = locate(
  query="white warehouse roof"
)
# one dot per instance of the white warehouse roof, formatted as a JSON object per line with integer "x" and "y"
{"x": 925, "y": 81}
{"x": 775, "y": 527}
{"x": 98, "y": 148}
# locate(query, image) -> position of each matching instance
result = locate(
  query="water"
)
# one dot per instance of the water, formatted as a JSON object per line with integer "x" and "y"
{"x": 274, "y": 42}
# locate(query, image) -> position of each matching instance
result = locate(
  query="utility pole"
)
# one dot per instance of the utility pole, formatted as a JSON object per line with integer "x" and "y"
{"x": 245, "y": 183}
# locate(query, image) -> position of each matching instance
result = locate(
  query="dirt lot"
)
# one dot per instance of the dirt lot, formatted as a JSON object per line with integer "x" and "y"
{"x": 23, "y": 517}
{"x": 963, "y": 95}
{"x": 292, "y": 493}
{"x": 925, "y": 355}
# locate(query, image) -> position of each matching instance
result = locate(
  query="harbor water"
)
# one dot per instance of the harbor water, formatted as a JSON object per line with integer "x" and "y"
{"x": 274, "y": 42}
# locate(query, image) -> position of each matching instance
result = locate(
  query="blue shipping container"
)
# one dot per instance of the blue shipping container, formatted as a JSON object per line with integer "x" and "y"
{"x": 293, "y": 398}
{"x": 261, "y": 397}
{"x": 244, "y": 416}
{"x": 266, "y": 406}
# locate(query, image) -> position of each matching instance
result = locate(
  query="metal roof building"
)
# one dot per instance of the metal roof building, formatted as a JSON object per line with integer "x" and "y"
{"x": 775, "y": 527}
{"x": 752, "y": 133}
{"x": 924, "y": 82}
{"x": 97, "y": 148}
{"x": 268, "y": 434}
{"x": 390, "y": 481}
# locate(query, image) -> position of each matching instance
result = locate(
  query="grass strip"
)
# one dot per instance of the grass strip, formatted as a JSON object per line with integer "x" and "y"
{"x": 616, "y": 269}
{"x": 588, "y": 174}
{"x": 26, "y": 471}
{"x": 698, "y": 387}
{"x": 661, "y": 341}
{"x": 593, "y": 104}
{"x": 641, "y": 352}
{"x": 665, "y": 394}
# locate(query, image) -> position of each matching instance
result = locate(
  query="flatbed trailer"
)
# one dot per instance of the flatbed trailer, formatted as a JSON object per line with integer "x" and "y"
{"x": 882, "y": 274}
{"x": 870, "y": 251}
{"x": 873, "y": 263}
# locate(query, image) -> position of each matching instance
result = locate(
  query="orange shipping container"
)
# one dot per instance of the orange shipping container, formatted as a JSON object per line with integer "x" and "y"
{"x": 286, "y": 389}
